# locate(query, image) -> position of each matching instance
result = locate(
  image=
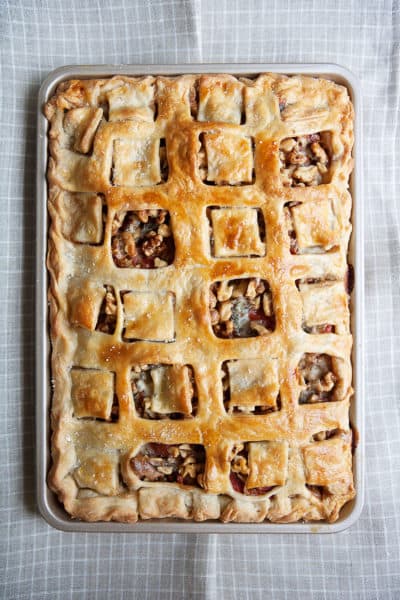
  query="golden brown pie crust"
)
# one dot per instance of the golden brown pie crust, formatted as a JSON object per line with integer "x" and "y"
{"x": 222, "y": 137}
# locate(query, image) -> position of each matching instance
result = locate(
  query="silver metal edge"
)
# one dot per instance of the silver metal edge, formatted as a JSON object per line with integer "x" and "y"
{"x": 41, "y": 368}
{"x": 48, "y": 504}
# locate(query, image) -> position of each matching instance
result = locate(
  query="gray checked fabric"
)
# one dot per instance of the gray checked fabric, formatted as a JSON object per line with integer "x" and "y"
{"x": 39, "y": 562}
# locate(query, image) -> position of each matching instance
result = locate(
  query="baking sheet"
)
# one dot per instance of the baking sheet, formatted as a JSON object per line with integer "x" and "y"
{"x": 49, "y": 505}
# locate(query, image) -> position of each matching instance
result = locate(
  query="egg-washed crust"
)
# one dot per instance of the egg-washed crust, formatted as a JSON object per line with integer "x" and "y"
{"x": 104, "y": 160}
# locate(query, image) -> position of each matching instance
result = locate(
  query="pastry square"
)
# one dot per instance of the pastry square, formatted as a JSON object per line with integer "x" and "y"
{"x": 220, "y": 100}
{"x": 136, "y": 162}
{"x": 268, "y": 464}
{"x": 98, "y": 473}
{"x": 161, "y": 391}
{"x": 316, "y": 225}
{"x": 172, "y": 390}
{"x": 136, "y": 103}
{"x": 149, "y": 316}
{"x": 85, "y": 301}
{"x": 328, "y": 462}
{"x": 85, "y": 225}
{"x": 92, "y": 393}
{"x": 325, "y": 307}
{"x": 236, "y": 232}
{"x": 80, "y": 125}
{"x": 199, "y": 298}
{"x": 253, "y": 382}
{"x": 229, "y": 158}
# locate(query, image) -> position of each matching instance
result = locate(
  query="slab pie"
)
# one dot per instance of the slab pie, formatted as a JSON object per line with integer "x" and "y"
{"x": 199, "y": 297}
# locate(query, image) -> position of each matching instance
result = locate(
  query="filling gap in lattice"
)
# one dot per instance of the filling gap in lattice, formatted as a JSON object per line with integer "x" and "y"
{"x": 142, "y": 239}
{"x": 305, "y": 160}
{"x": 241, "y": 308}
{"x": 294, "y": 248}
{"x": 349, "y": 279}
{"x": 164, "y": 168}
{"x": 154, "y": 105}
{"x": 194, "y": 97}
{"x": 243, "y": 113}
{"x": 203, "y": 162}
{"x": 317, "y": 377}
{"x": 107, "y": 319}
{"x": 114, "y": 409}
{"x": 172, "y": 463}
{"x": 321, "y": 436}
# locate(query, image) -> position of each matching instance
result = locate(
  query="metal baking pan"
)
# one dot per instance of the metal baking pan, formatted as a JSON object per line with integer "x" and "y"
{"x": 48, "y": 503}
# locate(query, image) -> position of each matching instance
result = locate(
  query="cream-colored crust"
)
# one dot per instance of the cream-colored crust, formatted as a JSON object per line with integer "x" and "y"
{"x": 85, "y": 224}
{"x": 229, "y": 157}
{"x": 317, "y": 224}
{"x": 236, "y": 233}
{"x": 328, "y": 462}
{"x": 149, "y": 316}
{"x": 267, "y": 464}
{"x": 135, "y": 163}
{"x": 326, "y": 303}
{"x": 172, "y": 390}
{"x": 92, "y": 393}
{"x": 253, "y": 382}
{"x": 90, "y": 149}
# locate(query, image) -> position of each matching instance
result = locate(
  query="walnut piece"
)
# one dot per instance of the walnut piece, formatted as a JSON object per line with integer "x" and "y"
{"x": 142, "y": 239}
{"x": 241, "y": 308}
{"x": 107, "y": 319}
{"x": 183, "y": 463}
{"x": 316, "y": 377}
{"x": 305, "y": 160}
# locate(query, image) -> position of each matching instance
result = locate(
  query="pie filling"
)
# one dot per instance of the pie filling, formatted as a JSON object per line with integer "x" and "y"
{"x": 316, "y": 376}
{"x": 316, "y": 329}
{"x": 164, "y": 168}
{"x": 145, "y": 395}
{"x": 202, "y": 163}
{"x": 240, "y": 471}
{"x": 142, "y": 239}
{"x": 321, "y": 436}
{"x": 294, "y": 247}
{"x": 305, "y": 160}
{"x": 349, "y": 279}
{"x": 241, "y": 308}
{"x": 180, "y": 463}
{"x": 107, "y": 319}
{"x": 114, "y": 410}
{"x": 194, "y": 94}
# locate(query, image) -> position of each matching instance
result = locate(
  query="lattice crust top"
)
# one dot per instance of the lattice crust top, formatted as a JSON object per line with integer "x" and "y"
{"x": 199, "y": 297}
